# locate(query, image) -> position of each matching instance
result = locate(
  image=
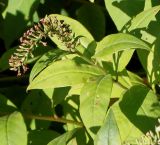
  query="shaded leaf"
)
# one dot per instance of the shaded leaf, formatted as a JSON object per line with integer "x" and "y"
{"x": 144, "y": 18}
{"x": 41, "y": 137}
{"x": 87, "y": 14}
{"x": 136, "y": 112}
{"x": 121, "y": 11}
{"x": 6, "y": 105}
{"x": 4, "y": 60}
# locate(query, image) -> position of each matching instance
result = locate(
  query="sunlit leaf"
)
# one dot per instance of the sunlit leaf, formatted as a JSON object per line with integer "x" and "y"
{"x": 94, "y": 101}
{"x": 13, "y": 130}
{"x": 118, "y": 42}
{"x": 135, "y": 114}
{"x": 109, "y": 132}
{"x": 44, "y": 61}
{"x": 64, "y": 73}
{"x": 144, "y": 18}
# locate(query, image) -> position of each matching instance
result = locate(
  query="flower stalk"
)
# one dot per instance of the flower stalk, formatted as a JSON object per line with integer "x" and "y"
{"x": 34, "y": 36}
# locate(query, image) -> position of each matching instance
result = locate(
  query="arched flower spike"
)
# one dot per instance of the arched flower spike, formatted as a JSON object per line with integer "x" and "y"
{"x": 33, "y": 37}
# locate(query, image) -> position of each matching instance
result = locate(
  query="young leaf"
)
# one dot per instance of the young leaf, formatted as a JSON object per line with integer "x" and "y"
{"x": 94, "y": 101}
{"x": 118, "y": 42}
{"x": 63, "y": 139}
{"x": 109, "y": 132}
{"x": 13, "y": 130}
{"x": 64, "y": 73}
{"x": 143, "y": 19}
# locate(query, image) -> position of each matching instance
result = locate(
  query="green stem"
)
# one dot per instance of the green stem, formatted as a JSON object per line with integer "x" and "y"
{"x": 52, "y": 118}
{"x": 47, "y": 118}
{"x": 92, "y": 63}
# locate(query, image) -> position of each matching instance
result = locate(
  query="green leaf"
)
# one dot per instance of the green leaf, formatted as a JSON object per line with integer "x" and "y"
{"x": 6, "y": 105}
{"x": 136, "y": 113}
{"x": 76, "y": 27}
{"x": 13, "y": 130}
{"x": 143, "y": 19}
{"x": 94, "y": 98}
{"x": 63, "y": 139}
{"x": 121, "y": 11}
{"x": 135, "y": 79}
{"x": 123, "y": 58}
{"x": 16, "y": 16}
{"x": 117, "y": 90}
{"x": 109, "y": 132}
{"x": 64, "y": 73}
{"x": 41, "y": 137}
{"x": 4, "y": 63}
{"x": 44, "y": 61}
{"x": 148, "y": 32}
{"x": 118, "y": 42}
{"x": 87, "y": 14}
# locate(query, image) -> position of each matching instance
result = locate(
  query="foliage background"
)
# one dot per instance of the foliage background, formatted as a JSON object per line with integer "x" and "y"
{"x": 101, "y": 18}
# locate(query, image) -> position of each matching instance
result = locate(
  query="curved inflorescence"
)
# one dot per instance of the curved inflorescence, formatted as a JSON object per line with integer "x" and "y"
{"x": 33, "y": 37}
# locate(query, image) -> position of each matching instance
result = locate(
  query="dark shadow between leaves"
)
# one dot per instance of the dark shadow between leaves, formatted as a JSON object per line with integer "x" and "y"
{"x": 59, "y": 94}
{"x": 94, "y": 129}
{"x": 130, "y": 8}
